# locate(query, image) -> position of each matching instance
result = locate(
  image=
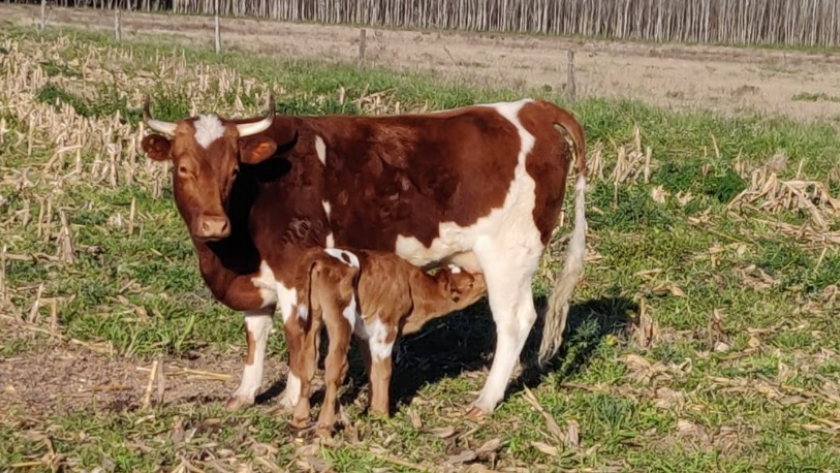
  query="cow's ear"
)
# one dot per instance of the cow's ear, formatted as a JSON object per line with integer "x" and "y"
{"x": 256, "y": 149}
{"x": 156, "y": 147}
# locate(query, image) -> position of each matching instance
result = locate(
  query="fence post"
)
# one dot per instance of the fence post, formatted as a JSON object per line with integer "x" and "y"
{"x": 218, "y": 35}
{"x": 570, "y": 80}
{"x": 362, "y": 46}
{"x": 43, "y": 15}
{"x": 117, "y": 25}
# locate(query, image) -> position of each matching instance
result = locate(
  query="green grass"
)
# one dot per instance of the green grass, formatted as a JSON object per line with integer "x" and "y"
{"x": 728, "y": 410}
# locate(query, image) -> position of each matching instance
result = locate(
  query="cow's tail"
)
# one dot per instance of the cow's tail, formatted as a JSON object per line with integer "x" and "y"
{"x": 558, "y": 303}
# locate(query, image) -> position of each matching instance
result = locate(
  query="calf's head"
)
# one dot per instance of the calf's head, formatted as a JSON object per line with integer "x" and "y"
{"x": 462, "y": 288}
{"x": 206, "y": 152}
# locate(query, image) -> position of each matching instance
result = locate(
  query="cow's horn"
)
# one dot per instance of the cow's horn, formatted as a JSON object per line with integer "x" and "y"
{"x": 248, "y": 129}
{"x": 166, "y": 128}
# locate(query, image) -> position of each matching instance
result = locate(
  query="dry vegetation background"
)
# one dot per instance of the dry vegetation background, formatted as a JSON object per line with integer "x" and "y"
{"x": 799, "y": 84}
{"x": 802, "y": 22}
{"x": 703, "y": 336}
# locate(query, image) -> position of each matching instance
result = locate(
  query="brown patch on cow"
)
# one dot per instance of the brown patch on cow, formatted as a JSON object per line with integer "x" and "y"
{"x": 550, "y": 148}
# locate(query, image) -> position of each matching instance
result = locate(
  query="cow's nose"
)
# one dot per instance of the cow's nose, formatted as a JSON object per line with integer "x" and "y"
{"x": 212, "y": 228}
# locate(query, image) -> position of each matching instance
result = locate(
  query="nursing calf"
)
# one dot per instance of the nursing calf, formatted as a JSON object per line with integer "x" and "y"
{"x": 375, "y": 295}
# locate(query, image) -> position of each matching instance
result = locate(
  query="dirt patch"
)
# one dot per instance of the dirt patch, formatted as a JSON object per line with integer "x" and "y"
{"x": 58, "y": 377}
{"x": 723, "y": 79}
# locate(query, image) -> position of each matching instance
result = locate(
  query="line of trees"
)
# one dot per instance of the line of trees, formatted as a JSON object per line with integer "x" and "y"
{"x": 803, "y": 22}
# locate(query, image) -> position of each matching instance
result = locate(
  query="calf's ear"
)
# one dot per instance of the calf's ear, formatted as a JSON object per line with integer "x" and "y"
{"x": 156, "y": 147}
{"x": 256, "y": 149}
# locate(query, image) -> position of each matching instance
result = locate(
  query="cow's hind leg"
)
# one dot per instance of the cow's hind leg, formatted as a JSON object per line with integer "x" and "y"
{"x": 508, "y": 275}
{"x": 258, "y": 326}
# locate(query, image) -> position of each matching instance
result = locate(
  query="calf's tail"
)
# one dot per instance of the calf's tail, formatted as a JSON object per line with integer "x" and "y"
{"x": 558, "y": 303}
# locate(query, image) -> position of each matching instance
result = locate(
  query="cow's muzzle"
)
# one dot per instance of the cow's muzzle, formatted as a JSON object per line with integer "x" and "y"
{"x": 211, "y": 228}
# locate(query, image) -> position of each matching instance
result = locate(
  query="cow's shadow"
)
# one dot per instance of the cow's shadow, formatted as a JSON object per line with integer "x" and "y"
{"x": 464, "y": 342}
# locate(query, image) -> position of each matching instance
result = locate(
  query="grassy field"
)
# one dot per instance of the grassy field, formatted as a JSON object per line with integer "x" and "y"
{"x": 702, "y": 338}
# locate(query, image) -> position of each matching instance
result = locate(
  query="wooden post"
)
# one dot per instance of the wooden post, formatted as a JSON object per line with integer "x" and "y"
{"x": 218, "y": 33}
{"x": 117, "y": 25}
{"x": 43, "y": 15}
{"x": 362, "y": 46}
{"x": 570, "y": 80}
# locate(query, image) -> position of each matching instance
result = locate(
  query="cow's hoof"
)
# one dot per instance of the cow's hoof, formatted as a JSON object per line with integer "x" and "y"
{"x": 238, "y": 402}
{"x": 476, "y": 413}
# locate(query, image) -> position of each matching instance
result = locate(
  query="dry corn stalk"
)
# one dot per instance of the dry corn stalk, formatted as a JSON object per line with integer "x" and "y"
{"x": 770, "y": 194}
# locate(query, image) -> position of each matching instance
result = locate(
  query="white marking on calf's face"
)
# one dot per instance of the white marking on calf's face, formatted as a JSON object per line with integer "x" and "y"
{"x": 208, "y": 128}
{"x": 302, "y": 312}
{"x": 344, "y": 256}
{"x": 330, "y": 240}
{"x": 321, "y": 149}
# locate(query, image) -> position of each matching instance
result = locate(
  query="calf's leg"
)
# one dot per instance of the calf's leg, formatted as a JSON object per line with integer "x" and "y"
{"x": 258, "y": 326}
{"x": 301, "y": 338}
{"x": 339, "y": 332}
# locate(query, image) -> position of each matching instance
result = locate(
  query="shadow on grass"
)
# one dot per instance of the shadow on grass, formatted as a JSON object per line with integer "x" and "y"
{"x": 464, "y": 342}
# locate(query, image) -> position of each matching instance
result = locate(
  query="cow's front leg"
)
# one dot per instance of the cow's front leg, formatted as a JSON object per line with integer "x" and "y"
{"x": 258, "y": 326}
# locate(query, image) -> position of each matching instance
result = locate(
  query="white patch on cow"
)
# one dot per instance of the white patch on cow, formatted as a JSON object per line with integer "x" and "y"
{"x": 321, "y": 149}
{"x": 208, "y": 128}
{"x": 340, "y": 254}
{"x": 454, "y": 269}
{"x": 377, "y": 336}
{"x": 259, "y": 325}
{"x": 326, "y": 205}
{"x": 330, "y": 241}
{"x": 267, "y": 284}
{"x": 302, "y": 312}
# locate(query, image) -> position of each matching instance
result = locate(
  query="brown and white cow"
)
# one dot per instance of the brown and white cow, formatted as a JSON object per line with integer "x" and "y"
{"x": 480, "y": 186}
{"x": 376, "y": 296}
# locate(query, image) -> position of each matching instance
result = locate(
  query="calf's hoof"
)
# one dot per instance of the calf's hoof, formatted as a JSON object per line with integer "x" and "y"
{"x": 238, "y": 402}
{"x": 324, "y": 431}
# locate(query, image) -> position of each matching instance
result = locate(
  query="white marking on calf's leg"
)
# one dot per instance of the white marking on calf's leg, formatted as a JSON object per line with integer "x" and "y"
{"x": 208, "y": 128}
{"x": 302, "y": 312}
{"x": 377, "y": 335}
{"x": 344, "y": 256}
{"x": 287, "y": 298}
{"x": 321, "y": 149}
{"x": 258, "y": 325}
